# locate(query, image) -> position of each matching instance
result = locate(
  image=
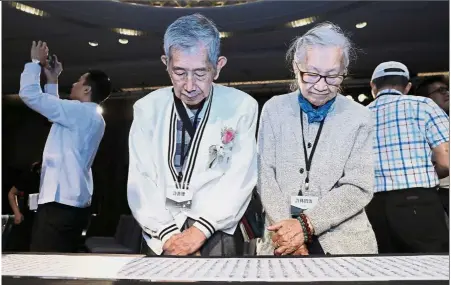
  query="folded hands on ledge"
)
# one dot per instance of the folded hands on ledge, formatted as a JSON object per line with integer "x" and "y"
{"x": 288, "y": 237}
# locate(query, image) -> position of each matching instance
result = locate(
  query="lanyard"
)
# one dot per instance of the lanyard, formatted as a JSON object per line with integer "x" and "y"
{"x": 308, "y": 159}
{"x": 194, "y": 125}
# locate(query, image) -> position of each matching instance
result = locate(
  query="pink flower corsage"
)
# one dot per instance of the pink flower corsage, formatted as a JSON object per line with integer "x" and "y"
{"x": 227, "y": 135}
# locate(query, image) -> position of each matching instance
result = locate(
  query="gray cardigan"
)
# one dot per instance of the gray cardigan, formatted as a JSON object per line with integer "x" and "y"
{"x": 341, "y": 175}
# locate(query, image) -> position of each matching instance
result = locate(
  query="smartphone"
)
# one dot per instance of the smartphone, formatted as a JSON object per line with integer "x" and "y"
{"x": 52, "y": 61}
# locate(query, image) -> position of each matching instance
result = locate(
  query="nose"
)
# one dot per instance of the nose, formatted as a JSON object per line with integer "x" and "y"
{"x": 321, "y": 85}
{"x": 190, "y": 85}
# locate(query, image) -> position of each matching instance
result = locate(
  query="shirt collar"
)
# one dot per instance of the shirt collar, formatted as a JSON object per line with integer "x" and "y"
{"x": 389, "y": 91}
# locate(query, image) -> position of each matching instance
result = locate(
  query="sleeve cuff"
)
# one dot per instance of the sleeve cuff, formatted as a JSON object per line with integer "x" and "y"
{"x": 205, "y": 226}
{"x": 319, "y": 227}
{"x": 167, "y": 232}
{"x": 33, "y": 67}
{"x": 51, "y": 88}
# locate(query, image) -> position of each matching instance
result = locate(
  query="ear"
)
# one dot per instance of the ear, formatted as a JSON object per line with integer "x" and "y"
{"x": 407, "y": 89}
{"x": 164, "y": 59}
{"x": 373, "y": 89}
{"x": 87, "y": 89}
{"x": 222, "y": 61}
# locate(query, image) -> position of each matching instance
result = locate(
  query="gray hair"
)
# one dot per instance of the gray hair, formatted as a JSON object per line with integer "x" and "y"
{"x": 323, "y": 34}
{"x": 189, "y": 31}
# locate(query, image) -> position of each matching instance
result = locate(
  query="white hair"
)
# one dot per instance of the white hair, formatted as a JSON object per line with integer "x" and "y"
{"x": 188, "y": 31}
{"x": 324, "y": 34}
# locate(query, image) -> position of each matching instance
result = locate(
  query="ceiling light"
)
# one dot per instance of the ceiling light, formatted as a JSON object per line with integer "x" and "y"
{"x": 424, "y": 74}
{"x": 128, "y": 32}
{"x": 350, "y": 97}
{"x": 123, "y": 41}
{"x": 28, "y": 9}
{"x": 360, "y": 25}
{"x": 93, "y": 44}
{"x": 301, "y": 22}
{"x": 99, "y": 110}
{"x": 362, "y": 97}
{"x": 224, "y": 34}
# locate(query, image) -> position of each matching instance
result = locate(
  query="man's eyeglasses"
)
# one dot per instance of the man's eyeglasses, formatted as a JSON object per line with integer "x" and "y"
{"x": 442, "y": 90}
{"x": 313, "y": 78}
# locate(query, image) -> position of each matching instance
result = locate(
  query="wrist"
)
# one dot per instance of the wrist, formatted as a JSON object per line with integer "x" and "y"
{"x": 306, "y": 228}
{"x": 198, "y": 233}
{"x": 52, "y": 80}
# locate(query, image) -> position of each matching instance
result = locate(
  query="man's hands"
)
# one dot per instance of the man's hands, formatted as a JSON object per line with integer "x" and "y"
{"x": 288, "y": 236}
{"x": 185, "y": 243}
{"x": 40, "y": 51}
{"x": 53, "y": 74}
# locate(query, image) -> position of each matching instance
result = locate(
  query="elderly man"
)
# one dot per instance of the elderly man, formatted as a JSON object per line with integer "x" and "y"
{"x": 192, "y": 150}
{"x": 406, "y": 213}
{"x": 314, "y": 156}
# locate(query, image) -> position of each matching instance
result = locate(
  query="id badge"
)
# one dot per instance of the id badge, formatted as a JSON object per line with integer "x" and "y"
{"x": 179, "y": 197}
{"x": 33, "y": 201}
{"x": 301, "y": 203}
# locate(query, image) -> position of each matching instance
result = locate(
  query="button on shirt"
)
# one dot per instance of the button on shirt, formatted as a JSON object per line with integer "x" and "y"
{"x": 407, "y": 128}
{"x": 71, "y": 145}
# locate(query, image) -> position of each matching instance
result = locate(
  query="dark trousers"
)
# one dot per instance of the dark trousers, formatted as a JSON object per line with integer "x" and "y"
{"x": 20, "y": 236}
{"x": 409, "y": 221}
{"x": 219, "y": 244}
{"x": 58, "y": 228}
{"x": 444, "y": 197}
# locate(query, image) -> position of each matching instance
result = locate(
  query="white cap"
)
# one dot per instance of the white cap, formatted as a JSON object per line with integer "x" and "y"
{"x": 390, "y": 68}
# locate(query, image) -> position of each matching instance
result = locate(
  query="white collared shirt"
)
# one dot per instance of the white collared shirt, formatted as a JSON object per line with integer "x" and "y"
{"x": 71, "y": 145}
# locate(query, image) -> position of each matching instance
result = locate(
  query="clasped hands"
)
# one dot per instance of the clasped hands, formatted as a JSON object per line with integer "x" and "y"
{"x": 185, "y": 243}
{"x": 288, "y": 238}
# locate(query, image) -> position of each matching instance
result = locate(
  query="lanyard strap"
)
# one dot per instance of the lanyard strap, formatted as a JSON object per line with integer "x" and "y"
{"x": 187, "y": 126}
{"x": 194, "y": 126}
{"x": 308, "y": 159}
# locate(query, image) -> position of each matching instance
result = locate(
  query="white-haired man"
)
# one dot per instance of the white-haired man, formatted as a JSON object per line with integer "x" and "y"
{"x": 192, "y": 150}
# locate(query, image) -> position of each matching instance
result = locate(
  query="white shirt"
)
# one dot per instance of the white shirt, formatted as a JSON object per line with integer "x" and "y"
{"x": 71, "y": 145}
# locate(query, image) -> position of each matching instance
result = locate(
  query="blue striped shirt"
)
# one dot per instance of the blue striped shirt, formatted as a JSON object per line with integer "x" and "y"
{"x": 407, "y": 128}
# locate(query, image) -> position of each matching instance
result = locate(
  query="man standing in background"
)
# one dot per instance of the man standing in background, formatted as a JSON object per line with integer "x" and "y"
{"x": 66, "y": 176}
{"x": 406, "y": 213}
{"x": 437, "y": 89}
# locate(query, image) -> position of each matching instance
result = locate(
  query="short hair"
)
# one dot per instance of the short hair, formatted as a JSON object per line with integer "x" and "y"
{"x": 423, "y": 86}
{"x": 391, "y": 80}
{"x": 324, "y": 34}
{"x": 188, "y": 31}
{"x": 100, "y": 85}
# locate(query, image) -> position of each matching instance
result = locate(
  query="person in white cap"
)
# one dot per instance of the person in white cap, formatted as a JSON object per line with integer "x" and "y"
{"x": 406, "y": 213}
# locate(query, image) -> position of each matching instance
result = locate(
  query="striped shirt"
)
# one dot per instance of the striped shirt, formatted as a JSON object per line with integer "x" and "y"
{"x": 407, "y": 128}
{"x": 178, "y": 149}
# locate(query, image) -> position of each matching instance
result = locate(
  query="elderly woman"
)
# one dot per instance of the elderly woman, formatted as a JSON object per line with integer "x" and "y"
{"x": 315, "y": 156}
